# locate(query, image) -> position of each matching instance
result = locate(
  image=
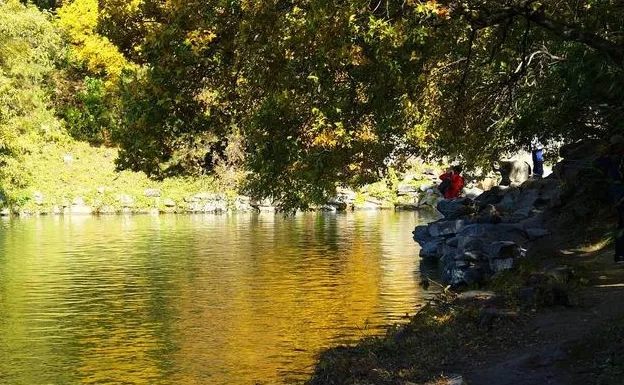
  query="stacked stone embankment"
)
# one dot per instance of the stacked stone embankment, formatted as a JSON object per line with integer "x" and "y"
{"x": 480, "y": 237}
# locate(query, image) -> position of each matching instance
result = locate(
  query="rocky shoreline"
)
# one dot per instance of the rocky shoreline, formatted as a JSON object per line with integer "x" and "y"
{"x": 412, "y": 192}
{"x": 478, "y": 238}
{"x": 535, "y": 247}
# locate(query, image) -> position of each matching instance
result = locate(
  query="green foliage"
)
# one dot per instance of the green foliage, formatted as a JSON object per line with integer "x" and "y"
{"x": 29, "y": 46}
{"x": 331, "y": 93}
{"x": 326, "y": 93}
{"x": 89, "y": 119}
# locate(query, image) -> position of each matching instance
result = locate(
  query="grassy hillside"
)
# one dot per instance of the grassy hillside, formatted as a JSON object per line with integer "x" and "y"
{"x": 61, "y": 173}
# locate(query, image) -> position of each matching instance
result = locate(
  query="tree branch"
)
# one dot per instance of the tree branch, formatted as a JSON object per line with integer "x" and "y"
{"x": 568, "y": 32}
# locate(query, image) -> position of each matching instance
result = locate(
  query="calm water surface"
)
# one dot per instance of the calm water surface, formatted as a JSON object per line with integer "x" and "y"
{"x": 231, "y": 299}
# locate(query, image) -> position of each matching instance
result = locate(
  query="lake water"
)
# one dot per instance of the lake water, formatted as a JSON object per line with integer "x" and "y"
{"x": 210, "y": 299}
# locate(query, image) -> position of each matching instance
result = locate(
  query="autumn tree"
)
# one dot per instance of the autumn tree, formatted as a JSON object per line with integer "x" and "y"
{"x": 329, "y": 93}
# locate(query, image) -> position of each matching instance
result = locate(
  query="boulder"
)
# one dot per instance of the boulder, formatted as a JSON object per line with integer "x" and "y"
{"x": 513, "y": 172}
{"x": 431, "y": 250}
{"x": 502, "y": 255}
{"x": 407, "y": 206}
{"x": 472, "y": 192}
{"x": 589, "y": 148}
{"x": 469, "y": 244}
{"x": 421, "y": 234}
{"x": 38, "y": 198}
{"x": 491, "y": 197}
{"x": 441, "y": 228}
{"x": 404, "y": 189}
{"x": 486, "y": 184}
{"x": 242, "y": 204}
{"x": 456, "y": 208}
{"x": 510, "y": 199}
{"x": 369, "y": 204}
{"x": 327, "y": 208}
{"x": 151, "y": 193}
{"x": 169, "y": 202}
{"x": 78, "y": 201}
{"x": 204, "y": 196}
{"x": 502, "y": 250}
{"x": 81, "y": 210}
{"x": 126, "y": 201}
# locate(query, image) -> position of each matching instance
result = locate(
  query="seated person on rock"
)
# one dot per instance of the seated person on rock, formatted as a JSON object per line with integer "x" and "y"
{"x": 452, "y": 183}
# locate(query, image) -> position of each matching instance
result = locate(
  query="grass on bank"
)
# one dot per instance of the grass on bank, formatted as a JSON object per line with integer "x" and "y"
{"x": 61, "y": 172}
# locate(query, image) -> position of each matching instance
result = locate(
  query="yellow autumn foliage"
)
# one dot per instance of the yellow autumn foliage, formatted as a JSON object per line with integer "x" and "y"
{"x": 79, "y": 20}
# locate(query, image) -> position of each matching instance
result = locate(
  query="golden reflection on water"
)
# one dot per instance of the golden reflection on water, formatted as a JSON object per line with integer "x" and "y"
{"x": 230, "y": 299}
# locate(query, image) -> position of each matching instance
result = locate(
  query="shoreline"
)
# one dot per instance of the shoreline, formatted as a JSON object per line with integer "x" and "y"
{"x": 550, "y": 304}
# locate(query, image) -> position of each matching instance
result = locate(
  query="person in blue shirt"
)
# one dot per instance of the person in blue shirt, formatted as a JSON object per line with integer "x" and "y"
{"x": 537, "y": 153}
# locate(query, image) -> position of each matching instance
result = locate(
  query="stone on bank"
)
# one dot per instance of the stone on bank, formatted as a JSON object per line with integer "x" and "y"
{"x": 481, "y": 237}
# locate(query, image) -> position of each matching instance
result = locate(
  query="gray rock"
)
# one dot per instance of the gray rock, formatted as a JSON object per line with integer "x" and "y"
{"x": 407, "y": 190}
{"x": 456, "y": 208}
{"x": 81, "y": 210}
{"x": 469, "y": 244}
{"x": 534, "y": 233}
{"x": 521, "y": 214}
{"x": 78, "y": 201}
{"x": 465, "y": 274}
{"x": 407, "y": 206}
{"x": 431, "y": 250}
{"x": 241, "y": 204}
{"x": 169, "y": 202}
{"x": 482, "y": 229}
{"x": 453, "y": 242}
{"x": 151, "y": 193}
{"x": 429, "y": 201}
{"x": 327, "y": 207}
{"x": 100, "y": 190}
{"x": 369, "y": 204}
{"x": 441, "y": 228}
{"x": 501, "y": 264}
{"x": 5, "y": 212}
{"x": 214, "y": 207}
{"x": 508, "y": 203}
{"x": 38, "y": 198}
{"x": 205, "y": 196}
{"x": 448, "y": 253}
{"x": 502, "y": 250}
{"x": 478, "y": 295}
{"x": 425, "y": 187}
{"x": 126, "y": 201}
{"x": 472, "y": 192}
{"x": 473, "y": 256}
{"x": 513, "y": 172}
{"x": 421, "y": 234}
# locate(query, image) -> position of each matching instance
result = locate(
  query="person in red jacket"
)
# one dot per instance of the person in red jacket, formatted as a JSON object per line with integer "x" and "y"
{"x": 452, "y": 183}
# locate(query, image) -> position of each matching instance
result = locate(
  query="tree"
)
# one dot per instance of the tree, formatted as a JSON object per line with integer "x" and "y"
{"x": 29, "y": 48}
{"x": 329, "y": 93}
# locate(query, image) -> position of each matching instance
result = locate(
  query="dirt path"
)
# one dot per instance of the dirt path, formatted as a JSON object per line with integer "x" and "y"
{"x": 555, "y": 338}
